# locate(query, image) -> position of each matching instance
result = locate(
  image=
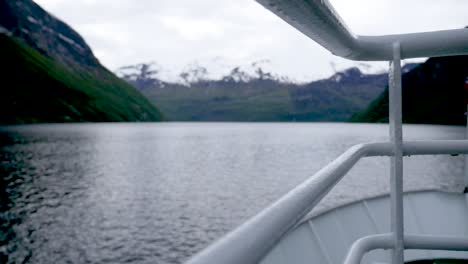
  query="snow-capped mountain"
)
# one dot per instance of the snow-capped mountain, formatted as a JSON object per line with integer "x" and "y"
{"x": 351, "y": 73}
{"x": 218, "y": 91}
{"x": 152, "y": 74}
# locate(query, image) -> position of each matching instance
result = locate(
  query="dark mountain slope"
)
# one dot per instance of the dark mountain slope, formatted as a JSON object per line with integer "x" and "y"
{"x": 45, "y": 33}
{"x": 336, "y": 98}
{"x": 37, "y": 89}
{"x": 433, "y": 93}
{"x": 49, "y": 74}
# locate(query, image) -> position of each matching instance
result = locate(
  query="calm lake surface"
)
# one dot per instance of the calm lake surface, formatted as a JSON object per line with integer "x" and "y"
{"x": 159, "y": 192}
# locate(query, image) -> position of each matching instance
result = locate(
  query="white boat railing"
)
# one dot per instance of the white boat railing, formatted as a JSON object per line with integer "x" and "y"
{"x": 385, "y": 241}
{"x": 318, "y": 20}
{"x": 251, "y": 241}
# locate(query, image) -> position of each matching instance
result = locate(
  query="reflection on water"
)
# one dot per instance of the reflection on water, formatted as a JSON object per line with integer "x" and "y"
{"x": 158, "y": 193}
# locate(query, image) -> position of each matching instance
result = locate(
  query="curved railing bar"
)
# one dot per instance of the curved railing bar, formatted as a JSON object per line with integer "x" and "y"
{"x": 318, "y": 20}
{"x": 385, "y": 241}
{"x": 253, "y": 239}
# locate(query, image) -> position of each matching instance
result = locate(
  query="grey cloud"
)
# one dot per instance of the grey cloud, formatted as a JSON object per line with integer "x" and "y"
{"x": 175, "y": 33}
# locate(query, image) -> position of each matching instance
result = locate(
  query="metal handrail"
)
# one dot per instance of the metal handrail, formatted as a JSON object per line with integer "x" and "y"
{"x": 252, "y": 240}
{"x": 386, "y": 241}
{"x": 318, "y": 20}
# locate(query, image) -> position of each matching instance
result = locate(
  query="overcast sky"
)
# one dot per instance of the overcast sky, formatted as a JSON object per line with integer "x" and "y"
{"x": 175, "y": 33}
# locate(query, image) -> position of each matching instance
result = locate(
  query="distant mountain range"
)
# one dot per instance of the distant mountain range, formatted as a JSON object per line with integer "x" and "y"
{"x": 196, "y": 72}
{"x": 50, "y": 74}
{"x": 435, "y": 92}
{"x": 250, "y": 93}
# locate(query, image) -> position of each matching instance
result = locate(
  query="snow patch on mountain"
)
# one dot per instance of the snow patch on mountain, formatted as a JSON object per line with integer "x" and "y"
{"x": 32, "y": 20}
{"x": 199, "y": 71}
{"x": 4, "y": 31}
{"x": 219, "y": 69}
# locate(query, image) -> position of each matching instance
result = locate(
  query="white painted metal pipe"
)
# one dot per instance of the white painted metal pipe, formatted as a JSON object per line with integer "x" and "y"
{"x": 423, "y": 147}
{"x": 366, "y": 244}
{"x": 318, "y": 20}
{"x": 385, "y": 241}
{"x": 252, "y": 240}
{"x": 434, "y": 147}
{"x": 465, "y": 180}
{"x": 396, "y": 160}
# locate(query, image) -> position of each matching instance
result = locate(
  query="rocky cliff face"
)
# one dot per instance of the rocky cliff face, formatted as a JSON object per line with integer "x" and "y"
{"x": 49, "y": 74}
{"x": 27, "y": 21}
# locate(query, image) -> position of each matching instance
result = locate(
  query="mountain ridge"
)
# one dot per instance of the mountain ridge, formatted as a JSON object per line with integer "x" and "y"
{"x": 47, "y": 34}
{"x": 45, "y": 62}
{"x": 258, "y": 95}
{"x": 195, "y": 72}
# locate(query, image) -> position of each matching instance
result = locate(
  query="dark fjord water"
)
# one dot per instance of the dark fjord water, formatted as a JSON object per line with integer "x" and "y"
{"x": 157, "y": 193}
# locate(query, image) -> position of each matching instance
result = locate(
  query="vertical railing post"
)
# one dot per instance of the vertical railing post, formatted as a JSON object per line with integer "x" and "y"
{"x": 396, "y": 166}
{"x": 466, "y": 138}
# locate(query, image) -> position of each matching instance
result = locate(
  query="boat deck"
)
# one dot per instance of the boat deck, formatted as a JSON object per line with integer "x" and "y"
{"x": 326, "y": 238}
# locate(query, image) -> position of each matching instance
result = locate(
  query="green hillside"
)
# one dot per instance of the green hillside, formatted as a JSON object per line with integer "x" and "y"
{"x": 266, "y": 99}
{"x": 217, "y": 103}
{"x": 36, "y": 89}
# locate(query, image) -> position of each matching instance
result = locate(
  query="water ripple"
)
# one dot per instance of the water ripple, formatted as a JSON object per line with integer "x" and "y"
{"x": 158, "y": 193}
